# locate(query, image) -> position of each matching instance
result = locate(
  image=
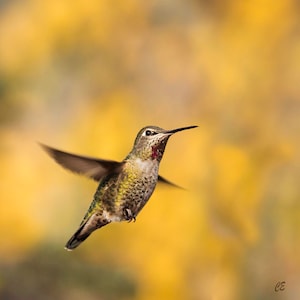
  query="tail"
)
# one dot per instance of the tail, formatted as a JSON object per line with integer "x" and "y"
{"x": 96, "y": 221}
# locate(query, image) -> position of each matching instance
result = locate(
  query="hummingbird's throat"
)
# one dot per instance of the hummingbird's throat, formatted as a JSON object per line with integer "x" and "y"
{"x": 157, "y": 152}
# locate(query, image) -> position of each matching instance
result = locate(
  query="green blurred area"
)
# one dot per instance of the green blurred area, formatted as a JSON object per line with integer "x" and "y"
{"x": 85, "y": 76}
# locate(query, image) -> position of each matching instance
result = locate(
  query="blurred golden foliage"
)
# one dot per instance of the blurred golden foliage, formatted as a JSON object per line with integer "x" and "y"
{"x": 85, "y": 76}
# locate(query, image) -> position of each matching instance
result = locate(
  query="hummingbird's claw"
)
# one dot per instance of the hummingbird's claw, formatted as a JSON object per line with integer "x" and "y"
{"x": 128, "y": 215}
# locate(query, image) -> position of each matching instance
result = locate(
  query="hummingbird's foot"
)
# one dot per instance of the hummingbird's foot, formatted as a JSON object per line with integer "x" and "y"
{"x": 128, "y": 215}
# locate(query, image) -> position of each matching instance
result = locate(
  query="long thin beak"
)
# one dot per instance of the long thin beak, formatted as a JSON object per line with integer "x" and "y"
{"x": 178, "y": 129}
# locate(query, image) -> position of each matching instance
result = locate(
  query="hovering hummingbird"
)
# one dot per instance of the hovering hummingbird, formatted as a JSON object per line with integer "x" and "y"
{"x": 124, "y": 187}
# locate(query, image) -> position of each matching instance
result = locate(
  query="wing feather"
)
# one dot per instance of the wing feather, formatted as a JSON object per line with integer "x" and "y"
{"x": 91, "y": 167}
{"x": 165, "y": 181}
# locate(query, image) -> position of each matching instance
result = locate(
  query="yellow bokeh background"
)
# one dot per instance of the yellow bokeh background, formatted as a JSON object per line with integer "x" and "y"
{"x": 85, "y": 76}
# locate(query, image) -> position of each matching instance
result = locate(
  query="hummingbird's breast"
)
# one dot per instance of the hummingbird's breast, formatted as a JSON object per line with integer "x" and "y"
{"x": 142, "y": 178}
{"x": 137, "y": 183}
{"x": 127, "y": 191}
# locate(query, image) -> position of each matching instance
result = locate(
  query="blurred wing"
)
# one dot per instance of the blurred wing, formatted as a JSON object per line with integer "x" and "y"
{"x": 91, "y": 167}
{"x": 165, "y": 181}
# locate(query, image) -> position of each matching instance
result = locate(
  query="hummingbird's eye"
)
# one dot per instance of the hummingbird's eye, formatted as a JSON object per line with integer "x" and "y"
{"x": 148, "y": 132}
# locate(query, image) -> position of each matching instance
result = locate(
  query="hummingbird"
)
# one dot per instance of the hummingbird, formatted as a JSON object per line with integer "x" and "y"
{"x": 124, "y": 187}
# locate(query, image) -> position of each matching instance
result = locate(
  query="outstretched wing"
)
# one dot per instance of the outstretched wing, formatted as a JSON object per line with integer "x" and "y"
{"x": 94, "y": 168}
{"x": 165, "y": 181}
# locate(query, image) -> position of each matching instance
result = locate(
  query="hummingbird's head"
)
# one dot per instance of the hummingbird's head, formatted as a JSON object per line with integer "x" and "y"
{"x": 151, "y": 141}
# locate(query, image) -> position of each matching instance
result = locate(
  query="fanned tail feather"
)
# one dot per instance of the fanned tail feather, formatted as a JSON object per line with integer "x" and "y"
{"x": 96, "y": 221}
{"x": 77, "y": 239}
